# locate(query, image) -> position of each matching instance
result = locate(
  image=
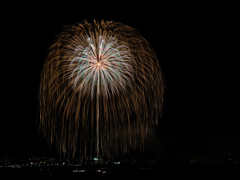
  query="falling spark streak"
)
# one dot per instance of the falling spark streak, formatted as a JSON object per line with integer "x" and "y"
{"x": 101, "y": 90}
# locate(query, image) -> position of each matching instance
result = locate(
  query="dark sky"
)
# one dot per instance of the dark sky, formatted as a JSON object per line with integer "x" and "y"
{"x": 189, "y": 41}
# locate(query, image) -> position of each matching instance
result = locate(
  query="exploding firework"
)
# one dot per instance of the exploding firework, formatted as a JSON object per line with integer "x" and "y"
{"x": 101, "y": 90}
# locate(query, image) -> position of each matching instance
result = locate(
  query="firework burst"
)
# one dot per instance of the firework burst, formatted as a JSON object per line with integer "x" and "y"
{"x": 101, "y": 89}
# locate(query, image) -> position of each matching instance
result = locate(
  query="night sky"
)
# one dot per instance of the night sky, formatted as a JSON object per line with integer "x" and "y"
{"x": 190, "y": 42}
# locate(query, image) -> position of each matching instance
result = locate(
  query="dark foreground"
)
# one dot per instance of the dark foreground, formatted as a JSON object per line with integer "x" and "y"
{"x": 158, "y": 170}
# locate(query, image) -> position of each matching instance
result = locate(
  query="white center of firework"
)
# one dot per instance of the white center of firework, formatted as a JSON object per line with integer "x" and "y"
{"x": 98, "y": 64}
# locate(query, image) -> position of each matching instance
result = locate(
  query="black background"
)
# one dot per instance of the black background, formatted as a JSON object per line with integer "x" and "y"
{"x": 191, "y": 42}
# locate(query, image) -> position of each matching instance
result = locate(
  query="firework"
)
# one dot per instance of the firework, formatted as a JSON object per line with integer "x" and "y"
{"x": 101, "y": 89}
